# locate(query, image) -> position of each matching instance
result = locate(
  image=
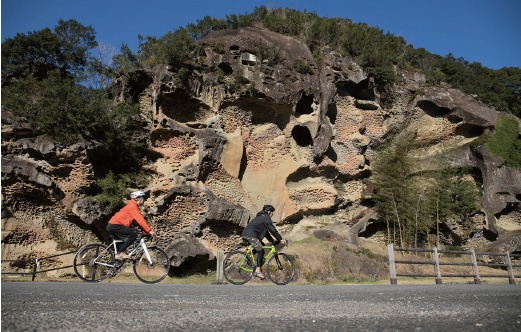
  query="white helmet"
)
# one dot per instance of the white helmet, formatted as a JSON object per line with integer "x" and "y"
{"x": 137, "y": 194}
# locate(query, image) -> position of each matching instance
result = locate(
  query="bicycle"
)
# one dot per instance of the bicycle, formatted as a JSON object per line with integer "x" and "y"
{"x": 239, "y": 266}
{"x": 95, "y": 262}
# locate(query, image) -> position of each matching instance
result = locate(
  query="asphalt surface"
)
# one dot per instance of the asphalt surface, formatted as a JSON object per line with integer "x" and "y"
{"x": 57, "y": 306}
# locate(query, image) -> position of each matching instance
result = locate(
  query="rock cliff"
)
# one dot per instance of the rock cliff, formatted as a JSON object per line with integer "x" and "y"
{"x": 252, "y": 125}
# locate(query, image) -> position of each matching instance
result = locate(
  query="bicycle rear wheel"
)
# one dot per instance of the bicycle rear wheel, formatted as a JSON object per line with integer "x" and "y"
{"x": 237, "y": 268}
{"x": 281, "y": 269}
{"x": 88, "y": 262}
{"x": 156, "y": 271}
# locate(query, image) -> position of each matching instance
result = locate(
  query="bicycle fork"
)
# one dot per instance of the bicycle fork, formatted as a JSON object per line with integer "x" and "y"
{"x": 279, "y": 264}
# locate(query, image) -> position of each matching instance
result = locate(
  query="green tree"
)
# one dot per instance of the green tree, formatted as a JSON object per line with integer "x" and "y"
{"x": 125, "y": 61}
{"x": 54, "y": 105}
{"x": 464, "y": 193}
{"x": 38, "y": 52}
{"x": 505, "y": 142}
{"x": 173, "y": 48}
{"x": 392, "y": 176}
{"x": 438, "y": 194}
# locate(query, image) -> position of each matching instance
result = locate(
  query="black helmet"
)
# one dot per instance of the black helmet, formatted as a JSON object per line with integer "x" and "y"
{"x": 268, "y": 208}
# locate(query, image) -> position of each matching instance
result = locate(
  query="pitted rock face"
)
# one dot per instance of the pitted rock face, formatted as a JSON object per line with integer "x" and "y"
{"x": 251, "y": 126}
{"x": 240, "y": 52}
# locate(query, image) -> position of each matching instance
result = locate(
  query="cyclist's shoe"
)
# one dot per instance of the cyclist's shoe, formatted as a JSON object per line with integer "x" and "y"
{"x": 259, "y": 275}
{"x": 122, "y": 256}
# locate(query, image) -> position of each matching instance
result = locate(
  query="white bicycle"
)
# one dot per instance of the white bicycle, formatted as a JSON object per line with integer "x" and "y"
{"x": 95, "y": 262}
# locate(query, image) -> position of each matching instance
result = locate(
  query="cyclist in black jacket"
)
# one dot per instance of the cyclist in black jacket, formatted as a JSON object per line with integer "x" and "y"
{"x": 259, "y": 228}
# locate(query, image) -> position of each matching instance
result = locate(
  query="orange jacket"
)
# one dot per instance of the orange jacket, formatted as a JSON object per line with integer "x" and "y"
{"x": 128, "y": 214}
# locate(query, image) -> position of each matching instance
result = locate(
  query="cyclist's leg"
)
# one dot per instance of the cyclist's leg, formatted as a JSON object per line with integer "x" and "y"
{"x": 124, "y": 234}
{"x": 257, "y": 246}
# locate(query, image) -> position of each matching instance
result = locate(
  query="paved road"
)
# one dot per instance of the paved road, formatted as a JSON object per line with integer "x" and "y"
{"x": 41, "y": 306}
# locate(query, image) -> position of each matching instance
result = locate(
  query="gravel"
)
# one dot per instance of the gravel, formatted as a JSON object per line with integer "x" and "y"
{"x": 45, "y": 306}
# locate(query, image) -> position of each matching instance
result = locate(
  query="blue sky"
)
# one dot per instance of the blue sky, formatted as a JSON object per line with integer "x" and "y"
{"x": 486, "y": 31}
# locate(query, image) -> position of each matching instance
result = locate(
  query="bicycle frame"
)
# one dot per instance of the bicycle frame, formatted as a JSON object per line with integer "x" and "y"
{"x": 249, "y": 250}
{"x": 141, "y": 244}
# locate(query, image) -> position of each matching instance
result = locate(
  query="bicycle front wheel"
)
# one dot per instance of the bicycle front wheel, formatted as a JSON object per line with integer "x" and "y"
{"x": 237, "y": 268}
{"x": 281, "y": 269}
{"x": 93, "y": 262}
{"x": 154, "y": 271}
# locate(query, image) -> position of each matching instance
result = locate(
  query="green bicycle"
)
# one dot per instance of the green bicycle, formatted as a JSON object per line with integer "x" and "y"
{"x": 239, "y": 266}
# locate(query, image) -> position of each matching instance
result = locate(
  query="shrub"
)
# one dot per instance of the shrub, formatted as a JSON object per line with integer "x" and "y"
{"x": 453, "y": 248}
{"x": 183, "y": 74}
{"x": 381, "y": 73}
{"x": 238, "y": 83}
{"x": 418, "y": 92}
{"x": 114, "y": 188}
{"x": 218, "y": 48}
{"x": 505, "y": 143}
{"x": 270, "y": 53}
{"x": 302, "y": 67}
{"x": 483, "y": 139}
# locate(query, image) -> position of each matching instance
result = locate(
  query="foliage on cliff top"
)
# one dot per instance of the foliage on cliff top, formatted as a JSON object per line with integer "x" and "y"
{"x": 373, "y": 49}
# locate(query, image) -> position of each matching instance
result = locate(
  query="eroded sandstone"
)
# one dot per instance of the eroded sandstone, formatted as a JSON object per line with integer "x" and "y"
{"x": 301, "y": 141}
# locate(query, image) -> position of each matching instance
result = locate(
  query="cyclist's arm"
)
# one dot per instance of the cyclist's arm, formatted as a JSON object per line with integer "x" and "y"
{"x": 269, "y": 238}
{"x": 273, "y": 231}
{"x": 136, "y": 214}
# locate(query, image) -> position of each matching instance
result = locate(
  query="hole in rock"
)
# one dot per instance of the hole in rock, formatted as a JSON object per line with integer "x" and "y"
{"x": 302, "y": 136}
{"x": 360, "y": 91}
{"x": 372, "y": 229}
{"x": 226, "y": 68}
{"x": 468, "y": 130}
{"x": 432, "y": 109}
{"x": 304, "y": 105}
{"x": 332, "y": 113}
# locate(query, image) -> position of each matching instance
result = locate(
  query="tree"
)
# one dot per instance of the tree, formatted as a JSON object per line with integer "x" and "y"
{"x": 54, "y": 105}
{"x": 100, "y": 69}
{"x": 438, "y": 195}
{"x": 463, "y": 193}
{"x": 505, "y": 142}
{"x": 75, "y": 41}
{"x": 392, "y": 173}
{"x": 38, "y": 52}
{"x": 125, "y": 61}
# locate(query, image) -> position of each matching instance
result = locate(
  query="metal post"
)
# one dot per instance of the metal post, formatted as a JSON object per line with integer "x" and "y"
{"x": 220, "y": 259}
{"x": 392, "y": 267}
{"x": 509, "y": 268}
{"x": 474, "y": 262}
{"x": 436, "y": 266}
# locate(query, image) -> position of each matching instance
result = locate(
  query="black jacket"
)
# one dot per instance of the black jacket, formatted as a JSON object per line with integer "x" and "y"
{"x": 260, "y": 227}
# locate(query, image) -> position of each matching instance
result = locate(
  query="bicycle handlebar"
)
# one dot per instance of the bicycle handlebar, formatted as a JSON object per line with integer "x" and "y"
{"x": 279, "y": 246}
{"x": 144, "y": 236}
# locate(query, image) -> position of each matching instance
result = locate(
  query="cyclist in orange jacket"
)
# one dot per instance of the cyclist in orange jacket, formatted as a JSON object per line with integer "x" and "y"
{"x": 119, "y": 224}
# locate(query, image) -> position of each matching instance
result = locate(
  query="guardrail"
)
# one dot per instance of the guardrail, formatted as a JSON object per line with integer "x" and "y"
{"x": 36, "y": 268}
{"x": 436, "y": 263}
